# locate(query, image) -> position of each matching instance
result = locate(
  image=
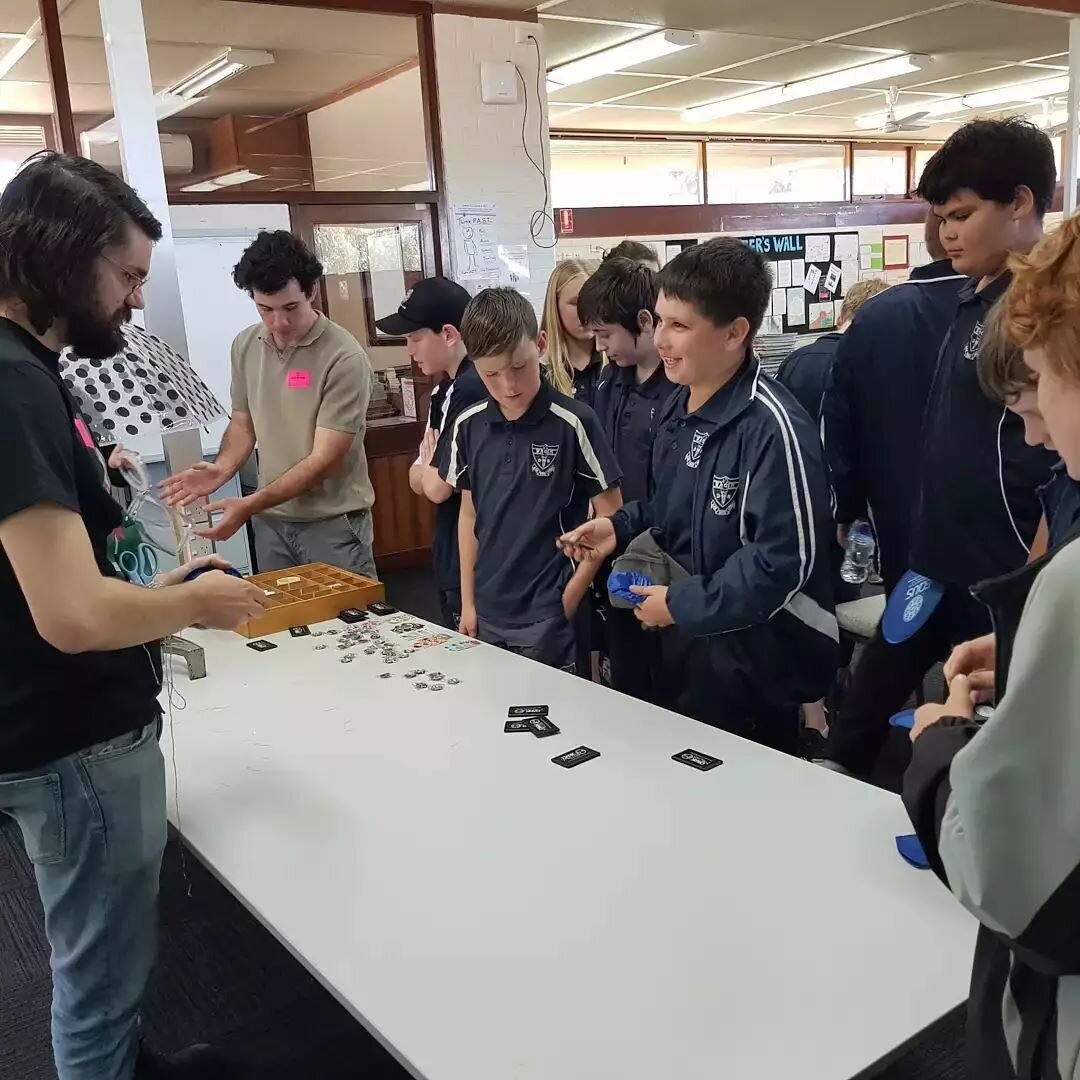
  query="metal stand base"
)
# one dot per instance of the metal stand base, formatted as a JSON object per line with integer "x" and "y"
{"x": 193, "y": 654}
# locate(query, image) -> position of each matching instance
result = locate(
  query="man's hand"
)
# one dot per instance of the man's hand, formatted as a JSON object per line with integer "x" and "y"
{"x": 183, "y": 488}
{"x": 224, "y": 602}
{"x": 652, "y": 612}
{"x": 593, "y": 540}
{"x": 234, "y": 513}
{"x": 958, "y": 704}
{"x": 843, "y": 533}
{"x": 427, "y": 446}
{"x": 468, "y": 623}
{"x": 179, "y": 575}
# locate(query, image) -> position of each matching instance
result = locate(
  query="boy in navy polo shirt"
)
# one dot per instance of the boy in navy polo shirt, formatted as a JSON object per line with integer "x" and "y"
{"x": 429, "y": 319}
{"x": 977, "y": 508}
{"x": 527, "y": 463}
{"x": 618, "y": 305}
{"x": 739, "y": 501}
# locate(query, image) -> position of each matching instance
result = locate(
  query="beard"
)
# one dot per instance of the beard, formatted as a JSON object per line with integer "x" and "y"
{"x": 93, "y": 336}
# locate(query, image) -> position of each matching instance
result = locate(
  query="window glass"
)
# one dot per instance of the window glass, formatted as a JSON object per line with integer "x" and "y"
{"x": 775, "y": 172}
{"x": 880, "y": 172}
{"x": 610, "y": 172}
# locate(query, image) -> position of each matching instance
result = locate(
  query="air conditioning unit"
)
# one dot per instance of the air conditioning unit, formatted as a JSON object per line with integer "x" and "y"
{"x": 176, "y": 153}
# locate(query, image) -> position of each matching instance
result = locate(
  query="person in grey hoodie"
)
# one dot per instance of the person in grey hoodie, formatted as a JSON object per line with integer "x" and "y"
{"x": 997, "y": 805}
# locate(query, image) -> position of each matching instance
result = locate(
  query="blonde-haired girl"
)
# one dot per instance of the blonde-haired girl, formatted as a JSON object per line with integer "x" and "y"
{"x": 573, "y": 364}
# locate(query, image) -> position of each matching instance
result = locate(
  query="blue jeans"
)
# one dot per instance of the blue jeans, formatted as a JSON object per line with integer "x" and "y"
{"x": 94, "y": 828}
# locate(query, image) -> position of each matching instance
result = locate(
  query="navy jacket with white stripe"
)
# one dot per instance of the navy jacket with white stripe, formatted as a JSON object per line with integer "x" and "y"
{"x": 978, "y": 506}
{"x": 738, "y": 496}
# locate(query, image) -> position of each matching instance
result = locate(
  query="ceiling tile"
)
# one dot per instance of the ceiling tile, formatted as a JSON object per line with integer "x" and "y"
{"x": 1008, "y": 34}
{"x": 683, "y": 95}
{"x": 25, "y": 97}
{"x": 566, "y": 41}
{"x": 716, "y": 51}
{"x": 805, "y": 64}
{"x": 606, "y": 86}
{"x": 17, "y": 16}
{"x": 800, "y": 22}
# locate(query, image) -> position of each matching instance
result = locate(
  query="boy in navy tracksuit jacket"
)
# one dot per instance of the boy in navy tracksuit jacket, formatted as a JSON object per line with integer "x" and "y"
{"x": 618, "y": 304}
{"x": 739, "y": 501}
{"x": 976, "y": 510}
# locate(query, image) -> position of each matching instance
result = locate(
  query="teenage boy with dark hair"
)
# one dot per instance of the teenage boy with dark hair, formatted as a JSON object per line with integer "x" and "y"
{"x": 528, "y": 463}
{"x": 618, "y": 306}
{"x": 300, "y": 388}
{"x": 429, "y": 319}
{"x": 635, "y": 251}
{"x": 977, "y": 508}
{"x": 739, "y": 502}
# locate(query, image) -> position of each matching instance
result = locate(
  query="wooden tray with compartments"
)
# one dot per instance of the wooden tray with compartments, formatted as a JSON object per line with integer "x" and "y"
{"x": 303, "y": 595}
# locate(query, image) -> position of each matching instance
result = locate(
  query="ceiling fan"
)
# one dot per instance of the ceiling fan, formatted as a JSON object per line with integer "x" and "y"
{"x": 909, "y": 122}
{"x": 1053, "y": 108}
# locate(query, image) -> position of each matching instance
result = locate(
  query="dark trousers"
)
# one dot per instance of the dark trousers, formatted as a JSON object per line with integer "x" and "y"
{"x": 450, "y": 607}
{"x": 550, "y": 641}
{"x": 887, "y": 675}
{"x": 629, "y": 655}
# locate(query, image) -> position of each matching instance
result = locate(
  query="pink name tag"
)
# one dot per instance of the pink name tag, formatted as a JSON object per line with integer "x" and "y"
{"x": 298, "y": 380}
{"x": 84, "y": 433}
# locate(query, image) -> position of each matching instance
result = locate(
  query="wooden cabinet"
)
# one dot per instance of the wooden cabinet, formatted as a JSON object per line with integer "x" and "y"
{"x": 403, "y": 522}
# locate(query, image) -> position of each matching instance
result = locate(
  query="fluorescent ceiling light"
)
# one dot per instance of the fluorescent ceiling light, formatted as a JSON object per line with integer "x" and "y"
{"x": 17, "y": 51}
{"x": 804, "y": 88}
{"x": 622, "y": 56}
{"x": 229, "y": 64}
{"x": 240, "y": 176}
{"x": 988, "y": 99}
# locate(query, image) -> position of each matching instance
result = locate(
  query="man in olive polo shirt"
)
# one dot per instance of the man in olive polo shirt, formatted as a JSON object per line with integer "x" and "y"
{"x": 300, "y": 388}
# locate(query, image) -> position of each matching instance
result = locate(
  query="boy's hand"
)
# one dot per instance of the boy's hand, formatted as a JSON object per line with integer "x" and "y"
{"x": 652, "y": 612}
{"x": 572, "y": 596}
{"x": 593, "y": 540}
{"x": 976, "y": 659}
{"x": 468, "y": 622}
{"x": 958, "y": 704}
{"x": 427, "y": 446}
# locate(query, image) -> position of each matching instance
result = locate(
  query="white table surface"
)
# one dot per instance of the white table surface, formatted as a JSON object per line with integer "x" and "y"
{"x": 489, "y": 915}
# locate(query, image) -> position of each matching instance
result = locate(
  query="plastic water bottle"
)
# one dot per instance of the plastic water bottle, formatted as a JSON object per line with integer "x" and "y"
{"x": 859, "y": 556}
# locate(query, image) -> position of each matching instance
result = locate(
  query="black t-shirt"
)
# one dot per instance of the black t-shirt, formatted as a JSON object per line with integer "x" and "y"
{"x": 53, "y": 704}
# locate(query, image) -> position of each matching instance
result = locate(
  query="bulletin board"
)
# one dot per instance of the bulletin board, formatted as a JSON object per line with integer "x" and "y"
{"x": 811, "y": 274}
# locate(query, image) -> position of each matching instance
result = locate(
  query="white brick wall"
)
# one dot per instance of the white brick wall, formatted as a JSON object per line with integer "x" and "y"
{"x": 482, "y": 151}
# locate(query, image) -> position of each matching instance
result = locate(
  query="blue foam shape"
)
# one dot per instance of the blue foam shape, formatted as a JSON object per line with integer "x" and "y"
{"x": 200, "y": 570}
{"x": 905, "y": 719}
{"x": 911, "y": 851}
{"x": 619, "y": 582}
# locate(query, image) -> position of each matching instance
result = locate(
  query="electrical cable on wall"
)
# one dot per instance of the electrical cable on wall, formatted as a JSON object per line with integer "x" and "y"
{"x": 540, "y": 219}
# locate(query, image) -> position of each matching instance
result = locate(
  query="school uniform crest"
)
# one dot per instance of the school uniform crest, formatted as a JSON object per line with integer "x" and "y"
{"x": 724, "y": 490}
{"x": 971, "y": 349}
{"x": 543, "y": 459}
{"x": 693, "y": 455}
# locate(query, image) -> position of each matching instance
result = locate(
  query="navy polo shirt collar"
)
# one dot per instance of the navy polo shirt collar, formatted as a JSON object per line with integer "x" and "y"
{"x": 626, "y": 377}
{"x": 533, "y": 414}
{"x": 731, "y": 399}
{"x": 991, "y": 294}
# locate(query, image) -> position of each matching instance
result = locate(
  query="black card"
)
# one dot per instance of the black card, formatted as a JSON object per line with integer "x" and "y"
{"x": 527, "y": 710}
{"x": 382, "y": 609}
{"x": 575, "y": 757}
{"x": 697, "y": 760}
{"x": 262, "y": 645}
{"x": 351, "y": 615}
{"x": 299, "y": 631}
{"x": 541, "y": 726}
{"x": 516, "y": 725}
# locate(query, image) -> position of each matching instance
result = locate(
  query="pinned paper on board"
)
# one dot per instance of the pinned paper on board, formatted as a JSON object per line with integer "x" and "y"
{"x": 772, "y": 324}
{"x": 832, "y": 278}
{"x": 779, "y": 302}
{"x": 849, "y": 274}
{"x": 796, "y": 307}
{"x": 822, "y": 316}
{"x": 476, "y": 257}
{"x": 514, "y": 262}
{"x": 845, "y": 246}
{"x": 798, "y": 272}
{"x": 817, "y": 249}
{"x": 813, "y": 277}
{"x": 783, "y": 275}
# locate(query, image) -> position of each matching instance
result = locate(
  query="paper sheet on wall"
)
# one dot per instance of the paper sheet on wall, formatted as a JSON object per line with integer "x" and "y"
{"x": 514, "y": 265}
{"x": 796, "y": 307}
{"x": 798, "y": 272}
{"x": 866, "y": 253}
{"x": 476, "y": 256}
{"x": 783, "y": 274}
{"x": 845, "y": 246}
{"x": 832, "y": 278}
{"x": 779, "y": 302}
{"x": 810, "y": 282}
{"x": 772, "y": 324}
{"x": 896, "y": 252}
{"x": 849, "y": 274}
{"x": 817, "y": 249}
{"x": 822, "y": 316}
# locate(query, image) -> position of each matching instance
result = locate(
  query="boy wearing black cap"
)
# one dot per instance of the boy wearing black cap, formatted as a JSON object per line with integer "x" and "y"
{"x": 429, "y": 319}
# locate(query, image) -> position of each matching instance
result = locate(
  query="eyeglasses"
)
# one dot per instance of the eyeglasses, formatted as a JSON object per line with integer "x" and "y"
{"x": 131, "y": 278}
